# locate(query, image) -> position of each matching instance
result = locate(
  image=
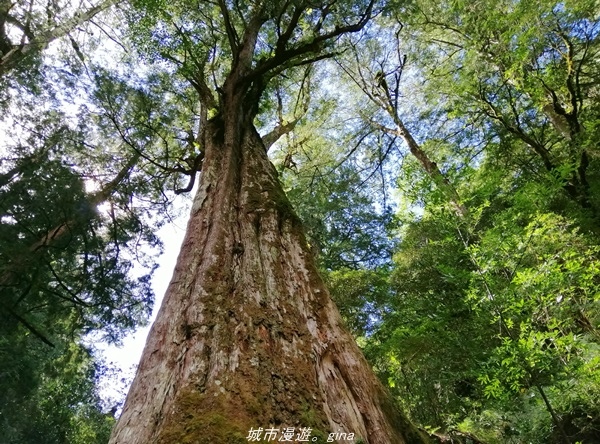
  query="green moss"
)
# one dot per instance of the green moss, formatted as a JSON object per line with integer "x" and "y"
{"x": 320, "y": 435}
{"x": 207, "y": 428}
{"x": 272, "y": 196}
{"x": 198, "y": 421}
{"x": 309, "y": 417}
{"x": 253, "y": 407}
{"x": 401, "y": 423}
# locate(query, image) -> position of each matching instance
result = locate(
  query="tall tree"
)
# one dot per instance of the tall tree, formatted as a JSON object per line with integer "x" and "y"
{"x": 528, "y": 72}
{"x": 247, "y": 335}
{"x": 70, "y": 233}
{"x": 511, "y": 83}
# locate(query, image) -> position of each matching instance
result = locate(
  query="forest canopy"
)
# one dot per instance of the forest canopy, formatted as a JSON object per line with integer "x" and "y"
{"x": 443, "y": 159}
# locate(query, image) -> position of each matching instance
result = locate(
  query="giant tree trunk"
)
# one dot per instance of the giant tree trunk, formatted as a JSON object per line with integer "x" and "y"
{"x": 247, "y": 335}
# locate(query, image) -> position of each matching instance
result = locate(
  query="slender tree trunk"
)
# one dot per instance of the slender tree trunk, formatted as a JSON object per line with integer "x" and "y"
{"x": 247, "y": 335}
{"x": 555, "y": 419}
{"x": 13, "y": 54}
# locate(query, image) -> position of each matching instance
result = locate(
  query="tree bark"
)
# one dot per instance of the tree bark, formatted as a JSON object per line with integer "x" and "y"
{"x": 247, "y": 335}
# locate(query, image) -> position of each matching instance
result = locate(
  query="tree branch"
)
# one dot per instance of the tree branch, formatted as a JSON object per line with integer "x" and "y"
{"x": 273, "y": 136}
{"x": 314, "y": 46}
{"x": 29, "y": 327}
{"x": 40, "y": 41}
{"x": 232, "y": 36}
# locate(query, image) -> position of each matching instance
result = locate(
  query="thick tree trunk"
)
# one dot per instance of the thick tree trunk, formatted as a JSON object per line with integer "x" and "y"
{"x": 247, "y": 335}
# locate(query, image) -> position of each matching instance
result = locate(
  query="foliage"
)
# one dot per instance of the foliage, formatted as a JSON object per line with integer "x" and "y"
{"x": 49, "y": 397}
{"x": 473, "y": 334}
{"x": 491, "y": 316}
{"x": 484, "y": 321}
{"x": 341, "y": 222}
{"x": 27, "y": 29}
{"x": 74, "y": 230}
{"x": 65, "y": 272}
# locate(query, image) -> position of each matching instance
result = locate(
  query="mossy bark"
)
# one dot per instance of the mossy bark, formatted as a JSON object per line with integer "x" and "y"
{"x": 247, "y": 335}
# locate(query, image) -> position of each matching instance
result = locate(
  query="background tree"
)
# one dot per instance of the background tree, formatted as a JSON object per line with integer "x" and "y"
{"x": 28, "y": 28}
{"x": 514, "y": 199}
{"x": 75, "y": 203}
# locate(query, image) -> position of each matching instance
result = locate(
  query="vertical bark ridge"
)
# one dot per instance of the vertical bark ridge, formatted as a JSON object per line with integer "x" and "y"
{"x": 247, "y": 335}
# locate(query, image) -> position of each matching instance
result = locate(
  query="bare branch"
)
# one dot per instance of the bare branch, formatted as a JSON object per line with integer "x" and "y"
{"x": 285, "y": 37}
{"x": 105, "y": 192}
